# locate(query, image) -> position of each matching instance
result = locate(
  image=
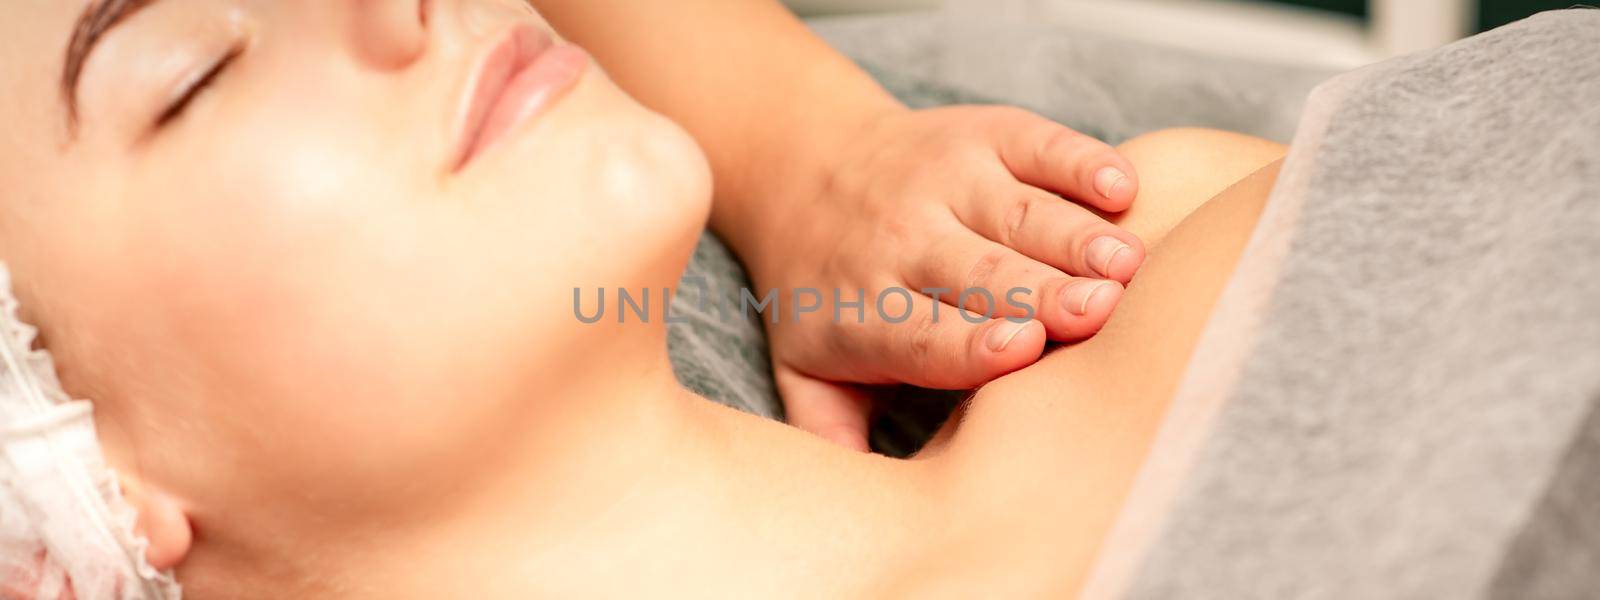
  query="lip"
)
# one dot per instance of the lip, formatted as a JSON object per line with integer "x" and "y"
{"x": 522, "y": 75}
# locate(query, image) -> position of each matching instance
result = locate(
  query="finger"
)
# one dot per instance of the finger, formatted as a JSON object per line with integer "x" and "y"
{"x": 919, "y": 341}
{"x": 835, "y": 412}
{"x": 1055, "y": 232}
{"x": 1046, "y": 154}
{"x": 990, "y": 279}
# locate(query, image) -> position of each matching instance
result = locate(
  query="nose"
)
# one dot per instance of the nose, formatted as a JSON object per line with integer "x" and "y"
{"x": 389, "y": 34}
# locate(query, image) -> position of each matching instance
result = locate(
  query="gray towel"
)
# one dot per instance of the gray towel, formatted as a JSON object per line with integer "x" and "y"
{"x": 1396, "y": 397}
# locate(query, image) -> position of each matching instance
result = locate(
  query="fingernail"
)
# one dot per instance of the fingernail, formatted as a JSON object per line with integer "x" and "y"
{"x": 1002, "y": 333}
{"x": 1107, "y": 180}
{"x": 1076, "y": 296}
{"x": 1102, "y": 253}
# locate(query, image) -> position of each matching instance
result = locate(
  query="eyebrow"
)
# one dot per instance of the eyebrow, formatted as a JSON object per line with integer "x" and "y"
{"x": 99, "y": 17}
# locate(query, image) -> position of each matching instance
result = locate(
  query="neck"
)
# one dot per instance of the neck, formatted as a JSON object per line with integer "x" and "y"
{"x": 552, "y": 522}
{"x": 636, "y": 475}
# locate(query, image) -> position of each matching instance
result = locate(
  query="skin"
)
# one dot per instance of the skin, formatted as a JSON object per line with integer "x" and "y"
{"x": 221, "y": 282}
{"x": 326, "y": 366}
{"x": 811, "y": 156}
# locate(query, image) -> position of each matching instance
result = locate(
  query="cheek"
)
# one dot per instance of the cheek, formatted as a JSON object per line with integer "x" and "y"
{"x": 363, "y": 319}
{"x": 258, "y": 218}
{"x": 331, "y": 308}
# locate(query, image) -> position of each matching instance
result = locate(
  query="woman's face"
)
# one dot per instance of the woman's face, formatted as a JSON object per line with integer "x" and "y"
{"x": 264, "y": 246}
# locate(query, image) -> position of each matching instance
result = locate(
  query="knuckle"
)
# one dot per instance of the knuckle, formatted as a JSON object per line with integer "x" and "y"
{"x": 848, "y": 339}
{"x": 1016, "y": 219}
{"x": 923, "y": 335}
{"x": 1060, "y": 142}
{"x": 900, "y": 228}
{"x": 984, "y": 269}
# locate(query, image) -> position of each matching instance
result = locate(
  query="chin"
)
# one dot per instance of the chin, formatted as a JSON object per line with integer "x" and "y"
{"x": 613, "y": 192}
{"x": 687, "y": 171}
{"x": 662, "y": 181}
{"x": 662, "y": 156}
{"x": 666, "y": 201}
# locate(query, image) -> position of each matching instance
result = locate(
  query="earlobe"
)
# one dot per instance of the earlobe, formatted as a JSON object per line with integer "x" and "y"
{"x": 162, "y": 520}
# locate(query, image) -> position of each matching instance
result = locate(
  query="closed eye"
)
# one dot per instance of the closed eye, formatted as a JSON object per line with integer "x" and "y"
{"x": 186, "y": 94}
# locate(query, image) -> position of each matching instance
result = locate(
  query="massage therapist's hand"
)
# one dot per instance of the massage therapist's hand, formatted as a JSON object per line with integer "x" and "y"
{"x": 823, "y": 180}
{"x": 951, "y": 198}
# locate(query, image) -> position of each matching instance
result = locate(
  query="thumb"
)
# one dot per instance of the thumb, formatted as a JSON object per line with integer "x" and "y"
{"x": 835, "y": 412}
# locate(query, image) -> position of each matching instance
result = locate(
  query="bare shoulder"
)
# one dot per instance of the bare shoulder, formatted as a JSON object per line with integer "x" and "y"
{"x": 1200, "y": 193}
{"x": 1065, "y": 437}
{"x": 1181, "y": 169}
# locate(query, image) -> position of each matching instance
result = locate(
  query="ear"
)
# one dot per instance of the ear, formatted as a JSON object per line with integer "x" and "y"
{"x": 162, "y": 520}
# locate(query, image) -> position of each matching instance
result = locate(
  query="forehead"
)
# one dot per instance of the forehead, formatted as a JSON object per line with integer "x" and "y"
{"x": 33, "y": 39}
{"x": 33, "y": 36}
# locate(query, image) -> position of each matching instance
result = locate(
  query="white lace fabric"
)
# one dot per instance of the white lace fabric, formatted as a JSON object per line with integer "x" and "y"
{"x": 65, "y": 531}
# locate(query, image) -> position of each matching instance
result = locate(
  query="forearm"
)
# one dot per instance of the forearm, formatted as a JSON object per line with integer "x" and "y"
{"x": 765, "y": 98}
